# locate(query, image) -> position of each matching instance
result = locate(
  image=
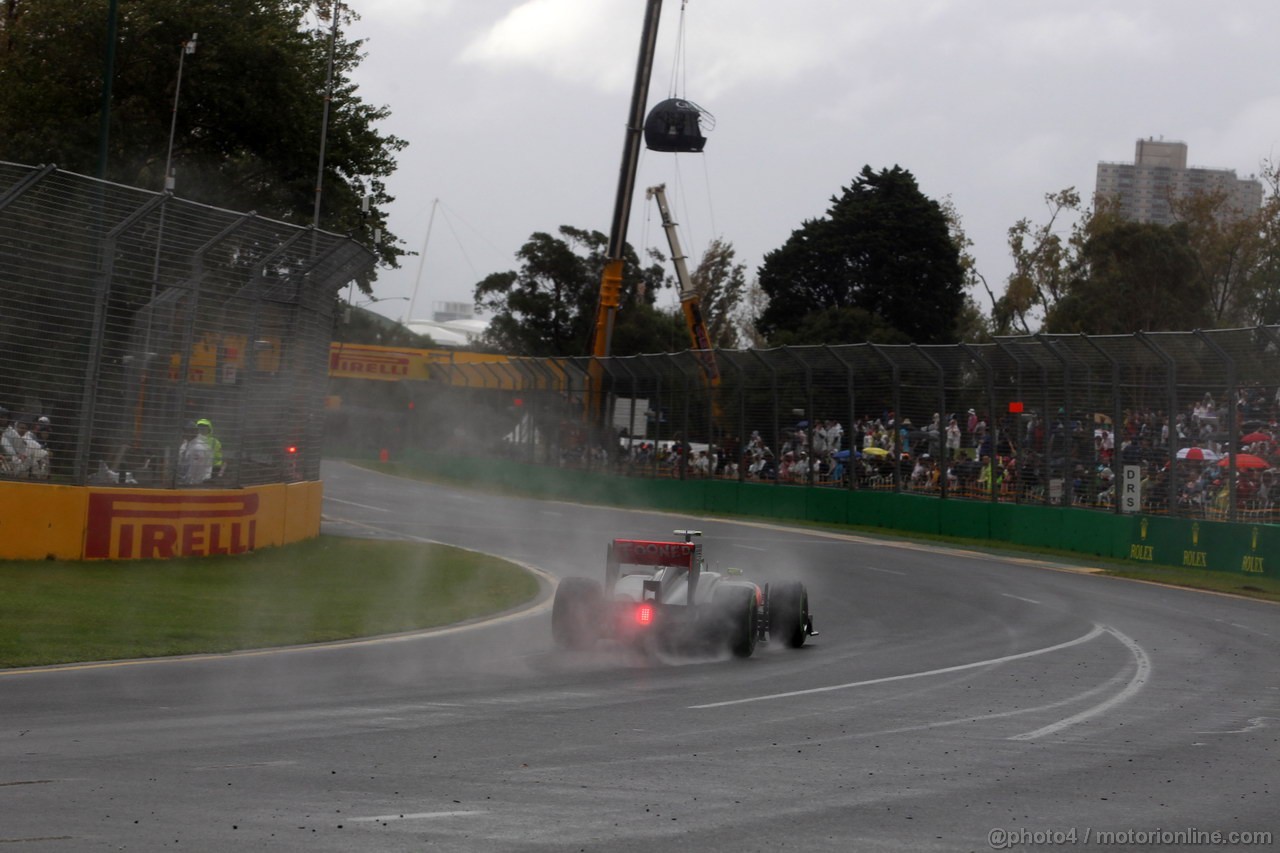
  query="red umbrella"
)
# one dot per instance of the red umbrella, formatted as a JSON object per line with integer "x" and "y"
{"x": 1198, "y": 454}
{"x": 1254, "y": 436}
{"x": 1245, "y": 461}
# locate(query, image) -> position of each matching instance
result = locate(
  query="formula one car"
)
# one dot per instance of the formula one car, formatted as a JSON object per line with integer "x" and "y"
{"x": 659, "y": 596}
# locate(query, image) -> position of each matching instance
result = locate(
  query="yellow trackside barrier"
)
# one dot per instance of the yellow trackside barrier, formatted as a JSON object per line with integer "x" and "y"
{"x": 302, "y": 511}
{"x": 39, "y": 521}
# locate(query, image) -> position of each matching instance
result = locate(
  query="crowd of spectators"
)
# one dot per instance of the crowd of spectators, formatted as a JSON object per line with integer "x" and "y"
{"x": 24, "y": 445}
{"x": 26, "y": 453}
{"x": 1055, "y": 458}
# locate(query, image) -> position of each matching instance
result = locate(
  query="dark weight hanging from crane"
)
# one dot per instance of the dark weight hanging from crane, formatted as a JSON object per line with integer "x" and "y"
{"x": 675, "y": 126}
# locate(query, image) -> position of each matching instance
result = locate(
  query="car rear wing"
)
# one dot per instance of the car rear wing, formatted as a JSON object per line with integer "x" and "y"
{"x": 641, "y": 552}
{"x": 645, "y": 552}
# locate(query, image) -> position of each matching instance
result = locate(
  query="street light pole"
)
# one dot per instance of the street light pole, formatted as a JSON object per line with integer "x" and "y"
{"x": 324, "y": 122}
{"x": 108, "y": 77}
{"x": 188, "y": 47}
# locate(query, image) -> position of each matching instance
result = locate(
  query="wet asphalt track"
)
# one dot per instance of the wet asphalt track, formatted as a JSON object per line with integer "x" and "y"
{"x": 949, "y": 695}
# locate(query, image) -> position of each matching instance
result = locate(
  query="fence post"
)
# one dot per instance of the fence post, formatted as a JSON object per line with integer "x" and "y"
{"x": 1233, "y": 423}
{"x": 808, "y": 411}
{"x": 773, "y": 397}
{"x": 740, "y": 432}
{"x": 1171, "y": 382}
{"x": 895, "y": 374}
{"x": 1051, "y": 347}
{"x": 25, "y": 184}
{"x": 97, "y": 342}
{"x": 849, "y": 391}
{"x": 684, "y": 422}
{"x": 258, "y": 288}
{"x": 942, "y": 408}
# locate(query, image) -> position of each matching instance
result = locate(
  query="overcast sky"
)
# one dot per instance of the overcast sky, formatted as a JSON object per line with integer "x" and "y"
{"x": 515, "y": 113}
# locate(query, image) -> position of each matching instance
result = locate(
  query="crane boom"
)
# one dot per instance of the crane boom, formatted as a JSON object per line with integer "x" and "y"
{"x": 700, "y": 340}
{"x": 611, "y": 278}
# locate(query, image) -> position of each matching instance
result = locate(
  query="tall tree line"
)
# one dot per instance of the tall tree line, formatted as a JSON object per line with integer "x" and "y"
{"x": 248, "y": 119}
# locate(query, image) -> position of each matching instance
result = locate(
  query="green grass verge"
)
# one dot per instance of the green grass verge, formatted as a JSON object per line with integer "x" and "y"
{"x": 1267, "y": 589}
{"x": 321, "y": 590}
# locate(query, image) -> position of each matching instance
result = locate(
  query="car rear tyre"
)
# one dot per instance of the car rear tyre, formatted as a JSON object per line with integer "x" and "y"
{"x": 576, "y": 613}
{"x": 789, "y": 613}
{"x": 738, "y": 611}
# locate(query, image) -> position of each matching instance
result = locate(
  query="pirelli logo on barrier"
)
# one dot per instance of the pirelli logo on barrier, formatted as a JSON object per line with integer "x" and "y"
{"x": 368, "y": 365}
{"x": 161, "y": 525}
{"x": 359, "y": 361}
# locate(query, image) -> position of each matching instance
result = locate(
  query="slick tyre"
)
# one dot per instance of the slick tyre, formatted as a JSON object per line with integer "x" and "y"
{"x": 737, "y": 609}
{"x": 576, "y": 613}
{"x": 788, "y": 613}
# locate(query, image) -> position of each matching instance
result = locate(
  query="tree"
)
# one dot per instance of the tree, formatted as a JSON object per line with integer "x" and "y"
{"x": 1228, "y": 245}
{"x": 720, "y": 285}
{"x": 547, "y": 307}
{"x": 747, "y": 314}
{"x": 972, "y": 326}
{"x": 883, "y": 249}
{"x": 1133, "y": 277}
{"x": 249, "y": 116}
{"x": 1044, "y": 264}
{"x": 355, "y": 324}
{"x": 840, "y": 325}
{"x": 1264, "y": 290}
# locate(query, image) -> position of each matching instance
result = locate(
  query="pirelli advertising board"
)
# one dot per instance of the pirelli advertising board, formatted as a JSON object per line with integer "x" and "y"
{"x": 387, "y": 364}
{"x": 461, "y": 368}
{"x": 64, "y": 522}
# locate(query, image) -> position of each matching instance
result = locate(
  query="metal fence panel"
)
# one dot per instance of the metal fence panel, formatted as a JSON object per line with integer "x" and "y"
{"x": 126, "y": 313}
{"x": 1056, "y": 420}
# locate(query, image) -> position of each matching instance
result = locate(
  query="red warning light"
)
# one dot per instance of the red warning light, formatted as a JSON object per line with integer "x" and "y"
{"x": 291, "y": 449}
{"x": 518, "y": 401}
{"x": 644, "y": 614}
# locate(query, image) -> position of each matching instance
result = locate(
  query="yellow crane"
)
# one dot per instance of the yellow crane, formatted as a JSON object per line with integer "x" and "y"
{"x": 673, "y": 126}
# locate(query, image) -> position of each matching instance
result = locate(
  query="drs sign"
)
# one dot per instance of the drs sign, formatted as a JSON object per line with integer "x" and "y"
{"x": 1131, "y": 488}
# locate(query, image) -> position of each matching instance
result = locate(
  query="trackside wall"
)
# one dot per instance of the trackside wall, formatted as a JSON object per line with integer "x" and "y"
{"x": 1249, "y": 549}
{"x": 41, "y": 521}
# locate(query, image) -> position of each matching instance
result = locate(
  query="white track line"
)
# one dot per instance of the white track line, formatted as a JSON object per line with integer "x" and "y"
{"x": 1255, "y": 723}
{"x": 1131, "y": 689}
{"x": 1020, "y": 598}
{"x": 419, "y": 816}
{"x": 1097, "y": 631}
{"x": 353, "y": 503}
{"x": 1000, "y": 715}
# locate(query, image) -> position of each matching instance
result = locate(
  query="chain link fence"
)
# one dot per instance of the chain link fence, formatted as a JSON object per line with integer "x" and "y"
{"x": 1189, "y": 418}
{"x": 126, "y": 314}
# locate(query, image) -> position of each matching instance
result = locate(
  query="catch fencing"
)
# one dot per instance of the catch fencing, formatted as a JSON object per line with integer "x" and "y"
{"x": 1178, "y": 423}
{"x": 125, "y": 314}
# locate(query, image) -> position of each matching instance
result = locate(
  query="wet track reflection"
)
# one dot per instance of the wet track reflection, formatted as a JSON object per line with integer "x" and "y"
{"x": 949, "y": 694}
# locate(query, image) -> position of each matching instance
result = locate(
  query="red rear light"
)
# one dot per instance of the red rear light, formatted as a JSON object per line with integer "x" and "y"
{"x": 644, "y": 614}
{"x": 291, "y": 449}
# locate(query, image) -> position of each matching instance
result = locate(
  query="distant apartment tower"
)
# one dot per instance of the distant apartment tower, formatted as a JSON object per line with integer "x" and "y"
{"x": 1159, "y": 173}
